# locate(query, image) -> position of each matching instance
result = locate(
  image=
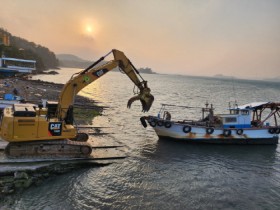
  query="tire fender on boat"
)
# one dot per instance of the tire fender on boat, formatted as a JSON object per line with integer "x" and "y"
{"x": 227, "y": 132}
{"x": 143, "y": 122}
{"x": 277, "y": 130}
{"x": 271, "y": 130}
{"x": 187, "y": 129}
{"x": 160, "y": 123}
{"x": 239, "y": 131}
{"x": 209, "y": 130}
{"x": 153, "y": 123}
{"x": 167, "y": 124}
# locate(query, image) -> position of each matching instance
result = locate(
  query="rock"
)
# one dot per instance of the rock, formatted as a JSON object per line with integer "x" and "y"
{"x": 22, "y": 183}
{"x": 8, "y": 189}
{"x": 19, "y": 183}
{"x": 20, "y": 175}
{"x": 52, "y": 72}
{"x": 6, "y": 180}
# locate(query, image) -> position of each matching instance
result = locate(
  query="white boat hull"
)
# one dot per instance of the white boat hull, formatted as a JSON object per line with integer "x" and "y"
{"x": 198, "y": 134}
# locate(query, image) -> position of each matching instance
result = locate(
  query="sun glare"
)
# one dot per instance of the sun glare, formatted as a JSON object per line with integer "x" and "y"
{"x": 89, "y": 28}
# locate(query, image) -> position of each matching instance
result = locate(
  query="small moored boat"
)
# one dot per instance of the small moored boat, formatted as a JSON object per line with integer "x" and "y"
{"x": 254, "y": 123}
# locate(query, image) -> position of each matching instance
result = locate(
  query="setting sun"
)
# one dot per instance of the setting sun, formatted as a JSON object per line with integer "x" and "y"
{"x": 89, "y": 29}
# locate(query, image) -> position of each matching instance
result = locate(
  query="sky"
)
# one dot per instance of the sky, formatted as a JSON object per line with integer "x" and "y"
{"x": 239, "y": 38}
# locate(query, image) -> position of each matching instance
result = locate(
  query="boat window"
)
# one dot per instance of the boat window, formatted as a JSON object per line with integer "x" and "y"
{"x": 245, "y": 112}
{"x": 230, "y": 119}
{"x": 234, "y": 111}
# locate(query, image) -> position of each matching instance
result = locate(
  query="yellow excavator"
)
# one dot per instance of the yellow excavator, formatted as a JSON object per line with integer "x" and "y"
{"x": 38, "y": 131}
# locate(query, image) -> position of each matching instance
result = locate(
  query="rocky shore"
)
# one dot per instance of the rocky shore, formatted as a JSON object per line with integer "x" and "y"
{"x": 34, "y": 90}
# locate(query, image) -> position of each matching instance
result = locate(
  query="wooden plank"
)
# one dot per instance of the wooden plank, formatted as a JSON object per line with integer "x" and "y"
{"x": 90, "y": 126}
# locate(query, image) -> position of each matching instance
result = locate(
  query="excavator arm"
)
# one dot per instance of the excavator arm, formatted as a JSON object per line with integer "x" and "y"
{"x": 80, "y": 80}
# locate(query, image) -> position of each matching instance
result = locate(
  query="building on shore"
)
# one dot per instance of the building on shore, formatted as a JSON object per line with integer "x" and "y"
{"x": 4, "y": 38}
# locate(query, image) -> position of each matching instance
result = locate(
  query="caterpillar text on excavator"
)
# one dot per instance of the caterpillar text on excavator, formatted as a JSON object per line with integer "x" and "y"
{"x": 37, "y": 131}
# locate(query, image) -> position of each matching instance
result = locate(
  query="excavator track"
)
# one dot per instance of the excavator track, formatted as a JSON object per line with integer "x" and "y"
{"x": 48, "y": 149}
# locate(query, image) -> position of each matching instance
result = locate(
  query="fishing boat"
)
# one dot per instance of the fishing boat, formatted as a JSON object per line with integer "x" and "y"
{"x": 253, "y": 123}
{"x": 12, "y": 66}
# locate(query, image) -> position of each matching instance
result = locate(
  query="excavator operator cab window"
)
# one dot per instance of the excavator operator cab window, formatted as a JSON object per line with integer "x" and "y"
{"x": 52, "y": 107}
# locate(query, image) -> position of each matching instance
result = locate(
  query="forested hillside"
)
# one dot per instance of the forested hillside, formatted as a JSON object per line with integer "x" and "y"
{"x": 22, "y": 48}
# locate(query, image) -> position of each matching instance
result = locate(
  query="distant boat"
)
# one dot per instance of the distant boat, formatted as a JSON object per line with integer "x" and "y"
{"x": 254, "y": 123}
{"x": 12, "y": 66}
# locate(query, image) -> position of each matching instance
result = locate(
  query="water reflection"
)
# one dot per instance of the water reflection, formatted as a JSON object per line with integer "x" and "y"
{"x": 170, "y": 150}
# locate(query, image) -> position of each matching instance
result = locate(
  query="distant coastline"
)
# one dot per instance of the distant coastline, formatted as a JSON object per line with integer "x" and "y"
{"x": 224, "y": 77}
{"x": 73, "y": 61}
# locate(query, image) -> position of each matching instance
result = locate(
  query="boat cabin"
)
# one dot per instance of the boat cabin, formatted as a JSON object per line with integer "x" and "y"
{"x": 237, "y": 118}
{"x": 256, "y": 114}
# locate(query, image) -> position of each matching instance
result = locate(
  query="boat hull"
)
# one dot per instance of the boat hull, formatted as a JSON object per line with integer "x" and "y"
{"x": 202, "y": 134}
{"x": 270, "y": 141}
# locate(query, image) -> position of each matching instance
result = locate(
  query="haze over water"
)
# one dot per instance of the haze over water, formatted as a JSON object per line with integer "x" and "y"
{"x": 164, "y": 174}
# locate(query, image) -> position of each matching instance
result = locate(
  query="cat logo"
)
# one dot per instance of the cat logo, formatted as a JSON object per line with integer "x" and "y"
{"x": 100, "y": 72}
{"x": 55, "y": 128}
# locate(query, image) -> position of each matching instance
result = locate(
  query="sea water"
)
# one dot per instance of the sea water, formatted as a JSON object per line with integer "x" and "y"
{"x": 164, "y": 174}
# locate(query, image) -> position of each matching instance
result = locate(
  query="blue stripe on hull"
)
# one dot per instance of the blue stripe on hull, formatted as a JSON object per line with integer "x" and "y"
{"x": 262, "y": 141}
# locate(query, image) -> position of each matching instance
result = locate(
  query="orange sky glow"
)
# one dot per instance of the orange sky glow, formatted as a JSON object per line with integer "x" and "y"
{"x": 192, "y": 37}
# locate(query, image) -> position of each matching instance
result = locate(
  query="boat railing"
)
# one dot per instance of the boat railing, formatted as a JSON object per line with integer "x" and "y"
{"x": 165, "y": 111}
{"x": 196, "y": 123}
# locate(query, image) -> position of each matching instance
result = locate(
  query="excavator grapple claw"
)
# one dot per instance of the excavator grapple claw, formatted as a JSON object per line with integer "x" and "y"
{"x": 145, "y": 97}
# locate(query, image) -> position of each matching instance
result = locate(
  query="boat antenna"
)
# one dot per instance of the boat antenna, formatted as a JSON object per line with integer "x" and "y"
{"x": 234, "y": 92}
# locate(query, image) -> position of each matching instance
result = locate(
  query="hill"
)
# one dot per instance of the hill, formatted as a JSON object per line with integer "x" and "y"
{"x": 72, "y": 61}
{"x": 24, "y": 49}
